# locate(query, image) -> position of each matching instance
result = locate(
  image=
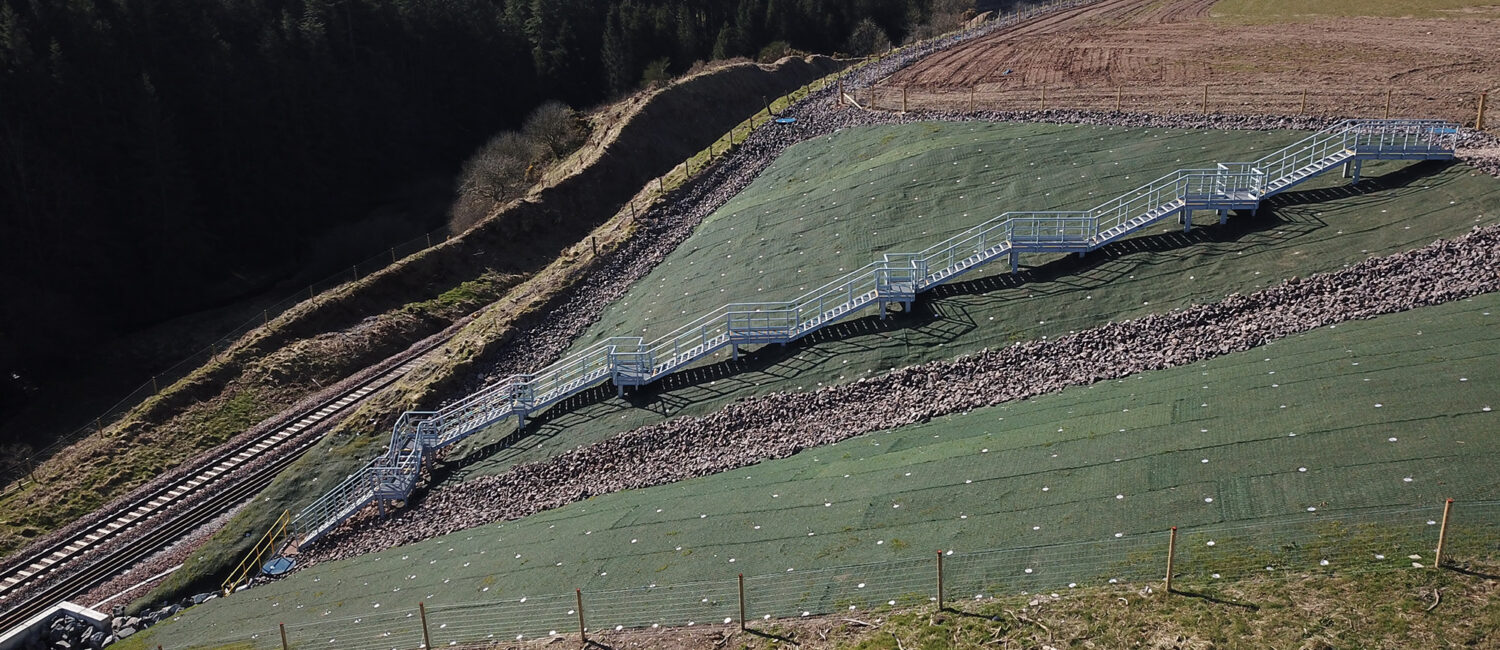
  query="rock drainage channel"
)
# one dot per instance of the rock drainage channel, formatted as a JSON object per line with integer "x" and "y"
{"x": 779, "y": 425}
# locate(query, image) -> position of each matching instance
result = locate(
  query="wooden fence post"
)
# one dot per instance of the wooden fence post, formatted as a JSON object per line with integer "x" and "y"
{"x": 1303, "y": 109}
{"x": 742, "y": 602}
{"x": 1118, "y": 93}
{"x": 1479, "y": 121}
{"x": 940, "y": 580}
{"x": 1171, "y": 551}
{"x": 1437, "y": 559}
{"x": 1388, "y": 103}
{"x": 583, "y": 636}
{"x": 426, "y": 640}
{"x": 1044, "y": 98}
{"x": 284, "y": 646}
{"x": 1205, "y": 99}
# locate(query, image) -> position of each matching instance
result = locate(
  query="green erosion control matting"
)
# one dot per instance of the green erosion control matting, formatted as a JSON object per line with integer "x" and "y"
{"x": 1339, "y": 424}
{"x": 836, "y": 203}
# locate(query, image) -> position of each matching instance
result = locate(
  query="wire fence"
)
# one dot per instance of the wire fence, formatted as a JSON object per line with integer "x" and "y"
{"x": 17, "y": 471}
{"x": 1311, "y": 544}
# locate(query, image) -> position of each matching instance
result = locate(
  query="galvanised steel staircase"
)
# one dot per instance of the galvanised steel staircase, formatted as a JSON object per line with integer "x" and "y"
{"x": 897, "y": 278}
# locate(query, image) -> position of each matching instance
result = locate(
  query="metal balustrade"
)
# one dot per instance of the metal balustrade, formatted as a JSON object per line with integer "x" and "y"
{"x": 896, "y": 278}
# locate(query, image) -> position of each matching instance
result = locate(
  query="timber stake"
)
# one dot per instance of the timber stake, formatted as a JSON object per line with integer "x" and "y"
{"x": 940, "y": 580}
{"x": 1171, "y": 551}
{"x": 1437, "y": 560}
{"x": 426, "y": 640}
{"x": 583, "y": 636}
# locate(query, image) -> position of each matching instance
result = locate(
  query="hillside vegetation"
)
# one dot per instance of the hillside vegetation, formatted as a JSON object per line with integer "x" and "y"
{"x": 640, "y": 138}
{"x": 322, "y": 341}
{"x": 161, "y": 158}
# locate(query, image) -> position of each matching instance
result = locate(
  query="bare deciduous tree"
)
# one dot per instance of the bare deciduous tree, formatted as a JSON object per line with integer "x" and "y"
{"x": 553, "y": 127}
{"x": 498, "y": 172}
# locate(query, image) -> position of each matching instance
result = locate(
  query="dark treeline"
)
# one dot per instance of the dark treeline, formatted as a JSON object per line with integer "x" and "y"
{"x": 162, "y": 156}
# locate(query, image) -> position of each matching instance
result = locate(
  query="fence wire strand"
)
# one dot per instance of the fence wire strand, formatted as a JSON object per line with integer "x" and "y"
{"x": 1312, "y": 544}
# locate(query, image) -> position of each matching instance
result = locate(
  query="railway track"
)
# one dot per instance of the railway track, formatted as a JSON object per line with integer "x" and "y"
{"x": 41, "y": 564}
{"x": 158, "y": 537}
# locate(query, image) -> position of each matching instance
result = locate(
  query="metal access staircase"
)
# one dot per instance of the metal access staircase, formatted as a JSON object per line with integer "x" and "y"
{"x": 897, "y": 278}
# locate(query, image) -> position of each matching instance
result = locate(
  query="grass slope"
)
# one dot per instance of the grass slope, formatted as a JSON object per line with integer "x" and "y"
{"x": 835, "y": 203}
{"x": 1053, "y": 478}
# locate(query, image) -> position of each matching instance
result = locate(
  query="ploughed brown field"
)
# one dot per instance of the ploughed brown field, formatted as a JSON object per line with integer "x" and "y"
{"x": 1254, "y": 55}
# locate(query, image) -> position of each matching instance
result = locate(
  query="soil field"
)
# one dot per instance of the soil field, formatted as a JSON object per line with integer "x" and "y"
{"x": 1433, "y": 56}
{"x": 1330, "y": 451}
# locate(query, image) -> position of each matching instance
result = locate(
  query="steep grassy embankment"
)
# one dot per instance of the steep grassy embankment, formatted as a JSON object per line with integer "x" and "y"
{"x": 834, "y": 204}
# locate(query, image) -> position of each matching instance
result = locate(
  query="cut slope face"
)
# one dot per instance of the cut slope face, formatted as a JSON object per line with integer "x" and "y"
{"x": 1080, "y": 466}
{"x": 833, "y": 204}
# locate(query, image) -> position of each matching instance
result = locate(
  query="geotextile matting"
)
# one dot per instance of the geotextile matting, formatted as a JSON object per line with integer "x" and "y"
{"x": 1331, "y": 450}
{"x": 1073, "y": 487}
{"x": 835, "y": 203}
